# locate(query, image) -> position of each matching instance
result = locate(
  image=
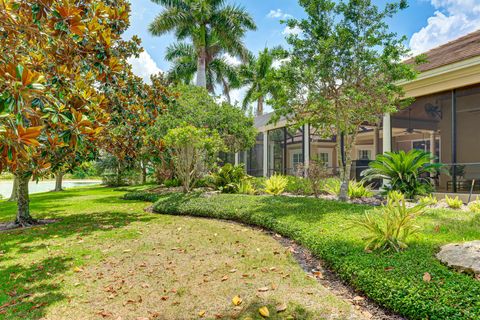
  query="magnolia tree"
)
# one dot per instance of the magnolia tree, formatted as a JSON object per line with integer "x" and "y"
{"x": 342, "y": 71}
{"x": 194, "y": 151}
{"x": 54, "y": 54}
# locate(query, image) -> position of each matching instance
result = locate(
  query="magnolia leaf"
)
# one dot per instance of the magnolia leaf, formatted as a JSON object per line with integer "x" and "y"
{"x": 237, "y": 301}
{"x": 264, "y": 312}
{"x": 281, "y": 307}
{"x": 427, "y": 277}
{"x": 201, "y": 313}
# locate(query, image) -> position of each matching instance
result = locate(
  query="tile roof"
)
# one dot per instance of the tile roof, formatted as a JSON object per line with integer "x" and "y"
{"x": 456, "y": 50}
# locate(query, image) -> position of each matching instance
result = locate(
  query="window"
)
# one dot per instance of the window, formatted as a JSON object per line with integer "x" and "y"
{"x": 364, "y": 154}
{"x": 297, "y": 159}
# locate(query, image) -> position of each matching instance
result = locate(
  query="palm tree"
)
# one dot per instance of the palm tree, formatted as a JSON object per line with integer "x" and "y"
{"x": 207, "y": 24}
{"x": 257, "y": 76}
{"x": 218, "y": 71}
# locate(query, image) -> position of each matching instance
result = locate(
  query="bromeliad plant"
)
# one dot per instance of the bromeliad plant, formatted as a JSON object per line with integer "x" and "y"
{"x": 407, "y": 172}
{"x": 389, "y": 227}
{"x": 276, "y": 184}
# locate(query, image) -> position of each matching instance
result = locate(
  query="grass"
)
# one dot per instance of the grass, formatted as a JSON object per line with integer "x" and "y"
{"x": 107, "y": 258}
{"x": 395, "y": 280}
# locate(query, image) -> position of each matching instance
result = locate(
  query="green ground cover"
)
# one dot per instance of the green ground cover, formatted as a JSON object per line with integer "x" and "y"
{"x": 395, "y": 280}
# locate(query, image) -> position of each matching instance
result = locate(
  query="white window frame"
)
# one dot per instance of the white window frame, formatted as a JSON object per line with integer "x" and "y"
{"x": 329, "y": 151}
{"x": 366, "y": 147}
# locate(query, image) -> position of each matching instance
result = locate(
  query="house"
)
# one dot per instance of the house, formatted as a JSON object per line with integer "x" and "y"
{"x": 443, "y": 119}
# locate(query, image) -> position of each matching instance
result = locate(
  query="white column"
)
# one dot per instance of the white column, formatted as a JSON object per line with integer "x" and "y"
{"x": 432, "y": 145}
{"x": 306, "y": 143}
{"x": 387, "y": 137}
{"x": 237, "y": 158}
{"x": 376, "y": 142}
{"x": 265, "y": 153}
{"x": 387, "y": 133}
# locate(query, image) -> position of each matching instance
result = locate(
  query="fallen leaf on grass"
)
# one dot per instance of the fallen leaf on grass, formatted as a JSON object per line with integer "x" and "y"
{"x": 263, "y": 289}
{"x": 264, "y": 312}
{"x": 201, "y": 313}
{"x": 427, "y": 277}
{"x": 237, "y": 301}
{"x": 281, "y": 307}
{"x": 225, "y": 278}
{"x": 77, "y": 269}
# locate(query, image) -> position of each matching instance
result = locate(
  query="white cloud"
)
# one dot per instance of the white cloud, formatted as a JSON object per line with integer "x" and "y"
{"x": 278, "y": 13}
{"x": 278, "y": 63}
{"x": 232, "y": 60}
{"x": 144, "y": 66}
{"x": 292, "y": 31}
{"x": 452, "y": 19}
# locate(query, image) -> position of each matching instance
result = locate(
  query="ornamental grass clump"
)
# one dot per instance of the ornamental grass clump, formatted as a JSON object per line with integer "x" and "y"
{"x": 276, "y": 184}
{"x": 388, "y": 228}
{"x": 429, "y": 200}
{"x": 246, "y": 187}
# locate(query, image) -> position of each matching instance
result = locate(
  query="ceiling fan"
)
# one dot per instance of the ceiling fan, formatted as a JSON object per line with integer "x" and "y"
{"x": 433, "y": 111}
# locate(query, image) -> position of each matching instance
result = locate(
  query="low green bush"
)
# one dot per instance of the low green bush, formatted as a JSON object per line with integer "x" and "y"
{"x": 474, "y": 206}
{"x": 392, "y": 279}
{"x": 453, "y": 203}
{"x": 276, "y": 184}
{"x": 142, "y": 196}
{"x": 246, "y": 187}
{"x": 172, "y": 183}
{"x": 298, "y": 185}
{"x": 429, "y": 200}
{"x": 356, "y": 189}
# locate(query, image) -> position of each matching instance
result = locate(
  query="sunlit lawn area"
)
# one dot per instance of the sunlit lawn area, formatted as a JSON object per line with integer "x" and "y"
{"x": 396, "y": 280}
{"x": 107, "y": 258}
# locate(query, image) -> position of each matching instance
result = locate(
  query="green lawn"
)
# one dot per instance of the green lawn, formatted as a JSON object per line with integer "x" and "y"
{"x": 394, "y": 280}
{"x": 107, "y": 258}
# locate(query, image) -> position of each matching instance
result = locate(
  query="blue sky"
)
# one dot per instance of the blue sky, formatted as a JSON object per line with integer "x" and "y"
{"x": 426, "y": 23}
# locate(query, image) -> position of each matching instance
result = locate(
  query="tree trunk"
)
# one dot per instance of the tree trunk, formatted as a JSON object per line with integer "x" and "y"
{"x": 58, "y": 181}
{"x": 202, "y": 68}
{"x": 344, "y": 169}
{"x": 260, "y": 106}
{"x": 24, "y": 218}
{"x": 144, "y": 172}
{"x": 14, "y": 195}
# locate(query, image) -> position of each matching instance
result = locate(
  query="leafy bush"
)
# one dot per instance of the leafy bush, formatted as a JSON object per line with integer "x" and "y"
{"x": 355, "y": 189}
{"x": 142, "y": 196}
{"x": 276, "y": 184}
{"x": 172, "y": 183}
{"x": 388, "y": 228}
{"x": 405, "y": 172}
{"x": 298, "y": 185}
{"x": 429, "y": 200}
{"x": 246, "y": 187}
{"x": 227, "y": 178}
{"x": 317, "y": 172}
{"x": 453, "y": 203}
{"x": 474, "y": 206}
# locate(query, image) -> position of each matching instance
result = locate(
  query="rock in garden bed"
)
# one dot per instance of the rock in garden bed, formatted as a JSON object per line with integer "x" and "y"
{"x": 463, "y": 257}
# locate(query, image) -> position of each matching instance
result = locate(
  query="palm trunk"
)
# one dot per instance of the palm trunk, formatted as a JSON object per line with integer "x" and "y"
{"x": 14, "y": 195}
{"x": 260, "y": 106}
{"x": 24, "y": 218}
{"x": 202, "y": 68}
{"x": 58, "y": 181}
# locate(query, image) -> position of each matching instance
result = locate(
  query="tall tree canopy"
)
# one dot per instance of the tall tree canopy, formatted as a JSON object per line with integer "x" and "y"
{"x": 55, "y": 57}
{"x": 343, "y": 70}
{"x": 213, "y": 27}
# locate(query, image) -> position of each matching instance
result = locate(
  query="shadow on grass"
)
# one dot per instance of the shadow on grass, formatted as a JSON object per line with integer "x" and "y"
{"x": 22, "y": 293}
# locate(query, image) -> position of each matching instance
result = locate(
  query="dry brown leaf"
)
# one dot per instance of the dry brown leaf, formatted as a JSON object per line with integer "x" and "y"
{"x": 225, "y": 278}
{"x": 264, "y": 312}
{"x": 263, "y": 289}
{"x": 281, "y": 307}
{"x": 237, "y": 301}
{"x": 427, "y": 277}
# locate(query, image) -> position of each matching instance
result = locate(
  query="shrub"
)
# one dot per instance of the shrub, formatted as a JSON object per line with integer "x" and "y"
{"x": 388, "y": 228}
{"x": 453, "y": 203}
{"x": 276, "y": 184}
{"x": 227, "y": 178}
{"x": 142, "y": 196}
{"x": 474, "y": 206}
{"x": 429, "y": 200}
{"x": 358, "y": 190}
{"x": 172, "y": 183}
{"x": 298, "y": 185}
{"x": 317, "y": 172}
{"x": 246, "y": 187}
{"x": 192, "y": 150}
{"x": 355, "y": 189}
{"x": 405, "y": 172}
